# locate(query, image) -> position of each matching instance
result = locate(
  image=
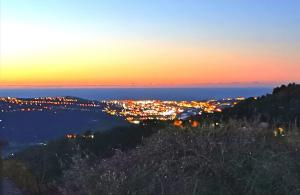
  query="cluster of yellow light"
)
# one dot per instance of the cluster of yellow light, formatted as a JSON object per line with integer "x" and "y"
{"x": 135, "y": 111}
{"x": 179, "y": 123}
{"x": 279, "y": 132}
{"x": 74, "y": 136}
{"x": 40, "y": 104}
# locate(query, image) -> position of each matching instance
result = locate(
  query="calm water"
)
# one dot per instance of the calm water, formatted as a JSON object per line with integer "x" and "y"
{"x": 140, "y": 93}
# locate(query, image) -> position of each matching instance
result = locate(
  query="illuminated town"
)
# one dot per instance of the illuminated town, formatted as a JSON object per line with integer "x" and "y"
{"x": 136, "y": 111}
{"x": 9, "y": 104}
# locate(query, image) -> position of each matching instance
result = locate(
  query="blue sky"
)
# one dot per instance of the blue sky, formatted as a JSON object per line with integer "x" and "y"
{"x": 245, "y": 19}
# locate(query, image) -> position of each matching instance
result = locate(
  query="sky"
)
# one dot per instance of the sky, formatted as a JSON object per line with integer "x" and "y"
{"x": 157, "y": 43}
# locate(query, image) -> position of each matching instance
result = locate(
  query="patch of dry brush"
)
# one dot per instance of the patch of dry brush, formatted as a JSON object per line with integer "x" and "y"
{"x": 236, "y": 158}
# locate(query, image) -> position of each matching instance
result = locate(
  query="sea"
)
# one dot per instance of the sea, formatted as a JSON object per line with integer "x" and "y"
{"x": 139, "y": 93}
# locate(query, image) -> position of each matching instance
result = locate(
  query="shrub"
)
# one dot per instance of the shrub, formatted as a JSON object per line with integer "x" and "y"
{"x": 235, "y": 158}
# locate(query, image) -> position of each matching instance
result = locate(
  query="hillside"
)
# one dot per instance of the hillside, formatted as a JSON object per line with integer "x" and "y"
{"x": 281, "y": 107}
{"x": 37, "y": 167}
{"x": 31, "y": 121}
{"x": 238, "y": 156}
{"x": 226, "y": 160}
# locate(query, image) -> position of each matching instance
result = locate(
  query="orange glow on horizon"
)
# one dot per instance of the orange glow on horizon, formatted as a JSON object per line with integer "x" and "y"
{"x": 148, "y": 67}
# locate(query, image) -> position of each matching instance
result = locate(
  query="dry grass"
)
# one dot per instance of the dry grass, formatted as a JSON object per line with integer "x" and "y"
{"x": 23, "y": 178}
{"x": 235, "y": 158}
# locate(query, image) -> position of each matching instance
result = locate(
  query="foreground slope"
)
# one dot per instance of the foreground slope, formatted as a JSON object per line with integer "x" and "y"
{"x": 234, "y": 159}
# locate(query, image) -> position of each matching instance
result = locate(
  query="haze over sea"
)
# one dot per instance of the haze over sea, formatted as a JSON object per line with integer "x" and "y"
{"x": 139, "y": 93}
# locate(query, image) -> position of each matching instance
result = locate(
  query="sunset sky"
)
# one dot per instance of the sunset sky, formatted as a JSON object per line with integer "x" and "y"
{"x": 157, "y": 43}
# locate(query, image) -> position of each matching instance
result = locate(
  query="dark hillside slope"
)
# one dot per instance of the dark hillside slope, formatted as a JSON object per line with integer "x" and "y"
{"x": 282, "y": 106}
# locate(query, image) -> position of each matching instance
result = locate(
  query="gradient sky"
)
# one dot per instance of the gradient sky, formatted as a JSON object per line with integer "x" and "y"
{"x": 157, "y": 43}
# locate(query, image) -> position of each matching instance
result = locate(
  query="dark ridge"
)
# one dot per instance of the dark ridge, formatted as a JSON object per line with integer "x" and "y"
{"x": 281, "y": 107}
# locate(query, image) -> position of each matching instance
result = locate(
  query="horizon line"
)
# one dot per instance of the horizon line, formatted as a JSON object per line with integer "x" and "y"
{"x": 168, "y": 85}
{"x": 210, "y": 85}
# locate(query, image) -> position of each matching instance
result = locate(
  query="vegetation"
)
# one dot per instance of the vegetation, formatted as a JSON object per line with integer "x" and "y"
{"x": 21, "y": 175}
{"x": 46, "y": 163}
{"x": 233, "y": 159}
{"x": 281, "y": 107}
{"x": 252, "y": 148}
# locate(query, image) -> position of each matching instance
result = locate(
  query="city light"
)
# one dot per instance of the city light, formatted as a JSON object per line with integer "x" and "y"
{"x": 140, "y": 110}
